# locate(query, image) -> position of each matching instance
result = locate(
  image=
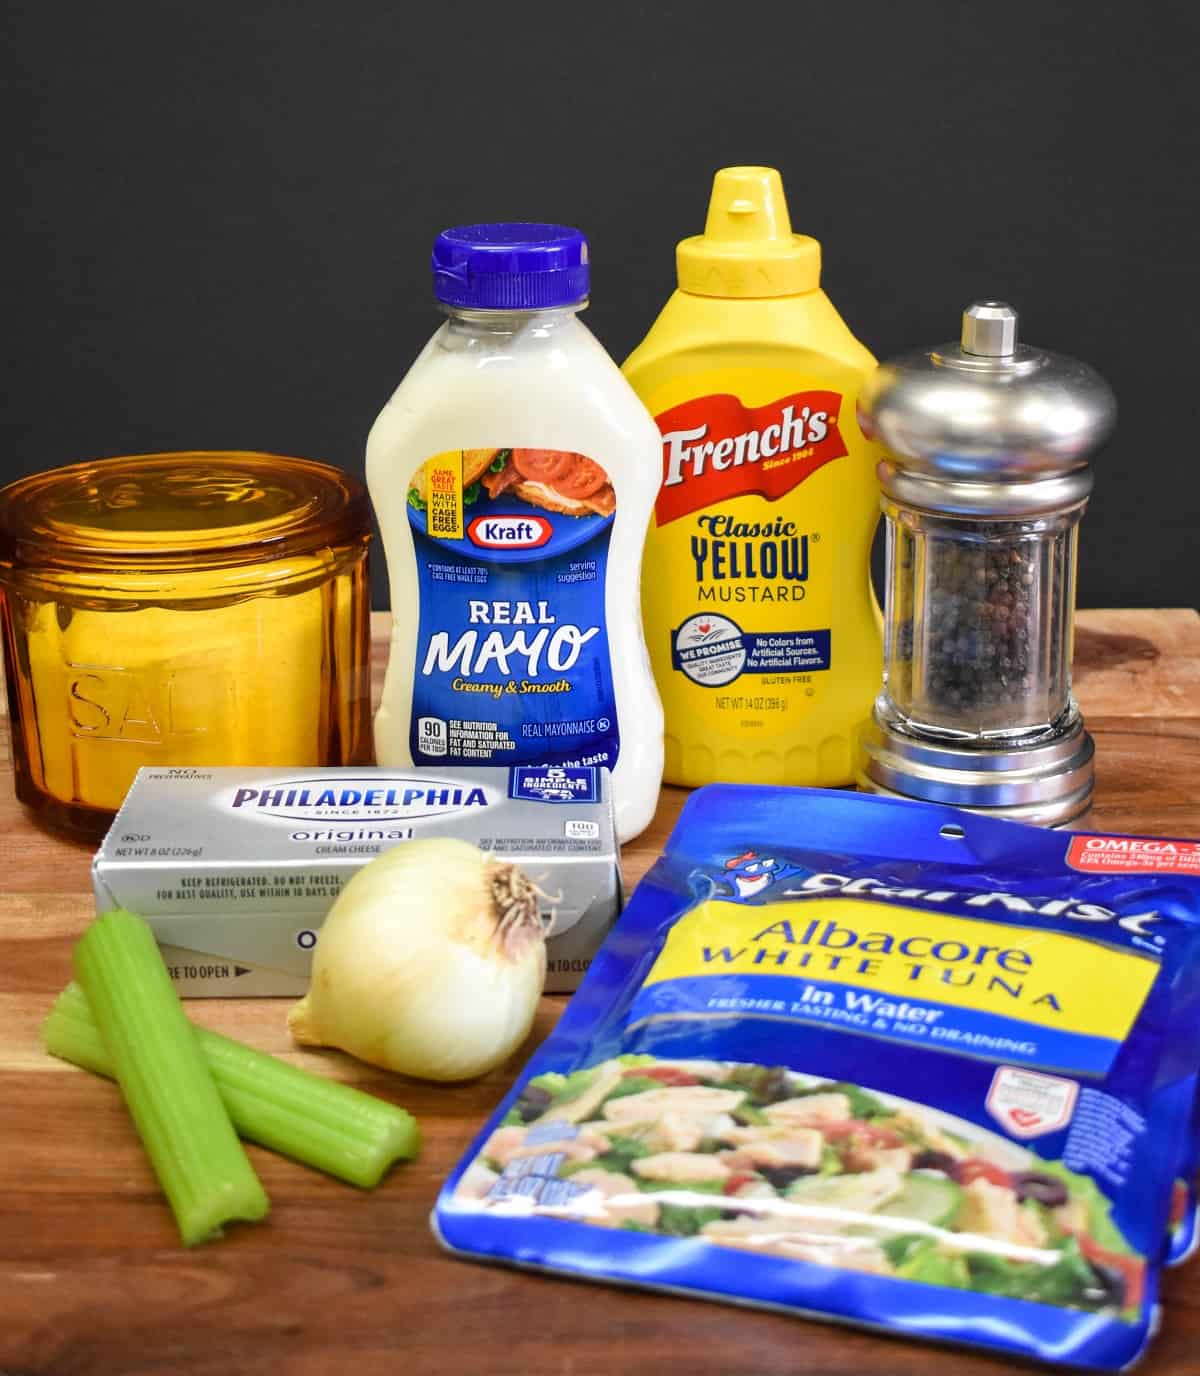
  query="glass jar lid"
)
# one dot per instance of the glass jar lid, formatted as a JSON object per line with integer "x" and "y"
{"x": 178, "y": 511}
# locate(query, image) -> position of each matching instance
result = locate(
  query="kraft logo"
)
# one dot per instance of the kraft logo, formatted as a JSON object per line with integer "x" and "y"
{"x": 509, "y": 532}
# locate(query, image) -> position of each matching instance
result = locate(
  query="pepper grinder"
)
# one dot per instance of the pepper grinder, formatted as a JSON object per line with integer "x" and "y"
{"x": 984, "y": 480}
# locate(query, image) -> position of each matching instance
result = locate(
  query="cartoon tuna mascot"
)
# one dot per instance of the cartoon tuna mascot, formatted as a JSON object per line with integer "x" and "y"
{"x": 750, "y": 873}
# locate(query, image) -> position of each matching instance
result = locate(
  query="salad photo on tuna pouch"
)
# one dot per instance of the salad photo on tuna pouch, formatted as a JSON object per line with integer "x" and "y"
{"x": 766, "y": 1160}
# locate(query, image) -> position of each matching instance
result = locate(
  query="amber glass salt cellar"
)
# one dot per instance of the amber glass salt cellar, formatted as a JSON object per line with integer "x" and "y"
{"x": 984, "y": 481}
{"x": 180, "y": 610}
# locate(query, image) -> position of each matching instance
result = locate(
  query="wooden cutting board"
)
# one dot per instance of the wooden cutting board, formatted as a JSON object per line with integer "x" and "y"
{"x": 91, "y": 1277}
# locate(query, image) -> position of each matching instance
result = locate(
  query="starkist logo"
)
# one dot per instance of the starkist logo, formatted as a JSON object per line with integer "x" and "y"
{"x": 714, "y": 448}
{"x": 1069, "y": 908}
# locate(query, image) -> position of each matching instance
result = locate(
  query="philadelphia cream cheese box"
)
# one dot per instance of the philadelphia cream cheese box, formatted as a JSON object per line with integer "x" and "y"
{"x": 236, "y": 868}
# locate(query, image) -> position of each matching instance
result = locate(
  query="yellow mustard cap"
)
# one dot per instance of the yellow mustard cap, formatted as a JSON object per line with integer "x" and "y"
{"x": 748, "y": 248}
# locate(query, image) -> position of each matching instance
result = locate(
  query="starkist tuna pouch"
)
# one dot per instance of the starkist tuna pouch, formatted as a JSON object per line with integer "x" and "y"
{"x": 882, "y": 1062}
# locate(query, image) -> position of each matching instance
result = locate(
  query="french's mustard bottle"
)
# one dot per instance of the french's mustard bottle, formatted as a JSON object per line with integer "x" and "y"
{"x": 763, "y": 629}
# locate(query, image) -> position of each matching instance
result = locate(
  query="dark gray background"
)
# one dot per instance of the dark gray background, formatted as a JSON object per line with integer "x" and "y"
{"x": 220, "y": 215}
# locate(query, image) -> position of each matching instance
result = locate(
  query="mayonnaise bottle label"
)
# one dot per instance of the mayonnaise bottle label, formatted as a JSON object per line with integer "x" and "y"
{"x": 512, "y": 662}
{"x": 755, "y": 595}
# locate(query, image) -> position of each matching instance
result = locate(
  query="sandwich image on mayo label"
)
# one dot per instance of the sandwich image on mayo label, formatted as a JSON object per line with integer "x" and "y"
{"x": 551, "y": 479}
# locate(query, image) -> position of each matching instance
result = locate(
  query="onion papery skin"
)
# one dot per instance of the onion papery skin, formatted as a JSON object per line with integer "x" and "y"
{"x": 414, "y": 970}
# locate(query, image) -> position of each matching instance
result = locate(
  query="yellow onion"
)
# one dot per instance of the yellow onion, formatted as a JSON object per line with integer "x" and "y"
{"x": 430, "y": 963}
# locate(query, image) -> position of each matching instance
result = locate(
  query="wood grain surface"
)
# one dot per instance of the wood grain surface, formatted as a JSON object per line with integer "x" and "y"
{"x": 92, "y": 1279}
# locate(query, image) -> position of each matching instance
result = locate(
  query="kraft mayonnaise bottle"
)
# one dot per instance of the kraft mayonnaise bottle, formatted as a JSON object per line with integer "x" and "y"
{"x": 513, "y": 472}
{"x": 762, "y": 626}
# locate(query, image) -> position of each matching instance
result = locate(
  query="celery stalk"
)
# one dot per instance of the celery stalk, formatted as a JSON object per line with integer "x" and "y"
{"x": 331, "y": 1126}
{"x": 170, "y": 1094}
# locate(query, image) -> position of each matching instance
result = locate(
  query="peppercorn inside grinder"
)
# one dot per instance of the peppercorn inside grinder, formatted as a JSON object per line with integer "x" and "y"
{"x": 985, "y": 478}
